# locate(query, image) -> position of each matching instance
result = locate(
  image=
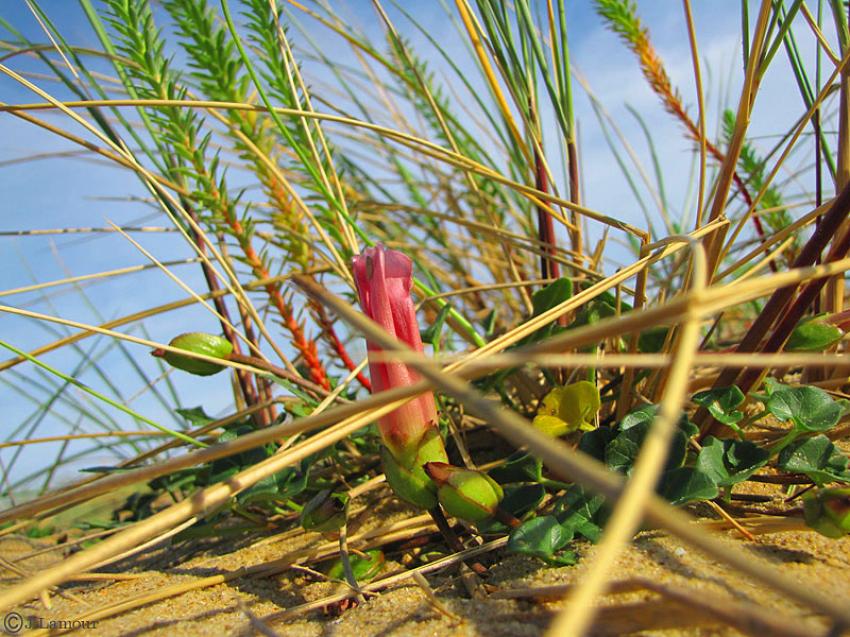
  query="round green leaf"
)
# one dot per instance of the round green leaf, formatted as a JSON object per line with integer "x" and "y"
{"x": 540, "y": 537}
{"x": 813, "y": 334}
{"x": 809, "y": 408}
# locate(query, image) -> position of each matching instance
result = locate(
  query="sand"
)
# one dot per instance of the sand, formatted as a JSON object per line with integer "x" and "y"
{"x": 226, "y": 608}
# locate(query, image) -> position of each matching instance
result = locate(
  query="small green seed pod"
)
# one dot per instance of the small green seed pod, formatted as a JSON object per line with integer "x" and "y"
{"x": 198, "y": 343}
{"x": 325, "y": 512}
{"x": 470, "y": 495}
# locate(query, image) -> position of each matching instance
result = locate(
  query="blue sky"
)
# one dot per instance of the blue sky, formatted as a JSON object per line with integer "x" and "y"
{"x": 73, "y": 192}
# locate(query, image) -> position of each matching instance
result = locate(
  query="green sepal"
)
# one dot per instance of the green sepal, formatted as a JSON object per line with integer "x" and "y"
{"x": 406, "y": 475}
{"x": 470, "y": 495}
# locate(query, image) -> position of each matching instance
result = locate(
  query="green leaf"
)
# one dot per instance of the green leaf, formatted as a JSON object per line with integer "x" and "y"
{"x": 601, "y": 307}
{"x": 324, "y": 512}
{"x": 721, "y": 403}
{"x": 813, "y": 334}
{"x": 519, "y": 499}
{"x": 542, "y": 537}
{"x": 622, "y": 451}
{"x": 593, "y": 443}
{"x": 772, "y": 385}
{"x": 196, "y": 416}
{"x": 652, "y": 340}
{"x": 641, "y": 415}
{"x": 646, "y": 414}
{"x": 489, "y": 324}
{"x": 432, "y": 334}
{"x": 728, "y": 462}
{"x": 279, "y": 486}
{"x": 580, "y": 512}
{"x": 40, "y": 531}
{"x": 816, "y": 457}
{"x": 520, "y": 467}
{"x": 685, "y": 484}
{"x": 551, "y": 296}
{"x": 545, "y": 299}
{"x": 809, "y": 408}
{"x": 364, "y": 568}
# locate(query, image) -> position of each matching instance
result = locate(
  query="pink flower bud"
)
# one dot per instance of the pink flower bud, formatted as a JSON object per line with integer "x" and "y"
{"x": 384, "y": 279}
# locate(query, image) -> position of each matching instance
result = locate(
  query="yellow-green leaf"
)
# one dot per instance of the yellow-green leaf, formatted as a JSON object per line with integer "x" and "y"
{"x": 567, "y": 409}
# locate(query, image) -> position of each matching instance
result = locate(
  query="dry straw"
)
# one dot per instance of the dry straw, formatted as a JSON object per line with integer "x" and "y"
{"x": 482, "y": 222}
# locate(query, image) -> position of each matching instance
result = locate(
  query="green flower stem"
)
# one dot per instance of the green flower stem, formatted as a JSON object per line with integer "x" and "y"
{"x": 786, "y": 440}
{"x": 451, "y": 538}
{"x": 749, "y": 420}
{"x": 507, "y": 518}
{"x": 554, "y": 484}
{"x": 350, "y": 579}
{"x": 99, "y": 396}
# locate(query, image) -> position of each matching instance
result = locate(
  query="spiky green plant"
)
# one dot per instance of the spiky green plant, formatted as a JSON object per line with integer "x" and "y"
{"x": 590, "y": 373}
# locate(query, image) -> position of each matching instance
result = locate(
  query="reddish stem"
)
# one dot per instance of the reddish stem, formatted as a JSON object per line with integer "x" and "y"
{"x": 336, "y": 344}
{"x": 305, "y": 346}
{"x": 830, "y": 224}
{"x": 549, "y": 268}
{"x": 790, "y": 318}
{"x": 246, "y": 386}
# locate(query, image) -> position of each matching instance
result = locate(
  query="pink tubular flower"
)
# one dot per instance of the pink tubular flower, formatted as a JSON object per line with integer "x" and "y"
{"x": 384, "y": 280}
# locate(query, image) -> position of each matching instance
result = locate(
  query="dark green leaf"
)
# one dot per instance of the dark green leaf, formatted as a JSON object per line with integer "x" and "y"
{"x": 601, "y": 307}
{"x": 541, "y": 537}
{"x": 279, "y": 486}
{"x": 816, "y": 457}
{"x": 639, "y": 416}
{"x": 728, "y": 462}
{"x": 721, "y": 403}
{"x": 580, "y": 512}
{"x": 432, "y": 334}
{"x": 646, "y": 414}
{"x": 652, "y": 340}
{"x": 519, "y": 499}
{"x": 684, "y": 484}
{"x": 622, "y": 451}
{"x": 489, "y": 324}
{"x": 594, "y": 442}
{"x": 520, "y": 467}
{"x": 552, "y": 295}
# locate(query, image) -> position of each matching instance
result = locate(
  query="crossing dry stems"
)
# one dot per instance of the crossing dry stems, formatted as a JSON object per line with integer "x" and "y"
{"x": 452, "y": 161}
